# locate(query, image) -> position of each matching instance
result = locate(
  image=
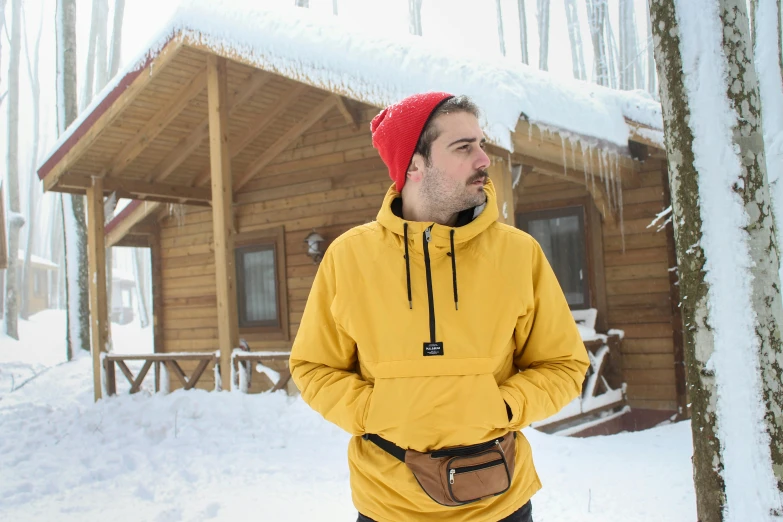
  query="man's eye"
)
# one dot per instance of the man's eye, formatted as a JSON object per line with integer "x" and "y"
{"x": 463, "y": 147}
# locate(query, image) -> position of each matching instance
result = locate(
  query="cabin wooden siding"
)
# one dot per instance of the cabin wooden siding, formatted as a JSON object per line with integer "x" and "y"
{"x": 637, "y": 279}
{"x": 330, "y": 179}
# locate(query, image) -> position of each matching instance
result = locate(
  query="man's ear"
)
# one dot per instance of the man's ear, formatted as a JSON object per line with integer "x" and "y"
{"x": 416, "y": 168}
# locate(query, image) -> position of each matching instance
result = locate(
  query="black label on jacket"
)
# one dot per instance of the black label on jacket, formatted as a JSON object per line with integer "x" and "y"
{"x": 433, "y": 349}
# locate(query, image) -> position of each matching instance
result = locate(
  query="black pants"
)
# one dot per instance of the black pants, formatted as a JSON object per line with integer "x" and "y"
{"x": 523, "y": 514}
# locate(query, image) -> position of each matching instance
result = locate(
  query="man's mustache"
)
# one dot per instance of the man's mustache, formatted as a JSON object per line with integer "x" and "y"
{"x": 479, "y": 175}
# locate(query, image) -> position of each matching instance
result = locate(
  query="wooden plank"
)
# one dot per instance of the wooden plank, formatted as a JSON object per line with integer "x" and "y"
{"x": 136, "y": 385}
{"x": 641, "y": 271}
{"x": 97, "y": 280}
{"x": 286, "y": 139}
{"x": 653, "y": 345}
{"x": 222, "y": 211}
{"x": 649, "y": 376}
{"x": 109, "y": 114}
{"x": 645, "y": 330}
{"x": 647, "y": 361}
{"x": 158, "y": 310}
{"x": 156, "y": 125}
{"x": 349, "y": 112}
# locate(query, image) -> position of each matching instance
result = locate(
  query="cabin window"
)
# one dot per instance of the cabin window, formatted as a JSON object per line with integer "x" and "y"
{"x": 561, "y": 234}
{"x": 261, "y": 288}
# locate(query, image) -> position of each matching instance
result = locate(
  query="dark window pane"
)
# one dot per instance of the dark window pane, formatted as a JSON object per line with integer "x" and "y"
{"x": 259, "y": 286}
{"x": 561, "y": 236}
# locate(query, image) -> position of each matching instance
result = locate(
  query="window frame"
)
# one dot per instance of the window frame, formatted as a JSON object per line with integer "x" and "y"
{"x": 257, "y": 241}
{"x": 594, "y": 250}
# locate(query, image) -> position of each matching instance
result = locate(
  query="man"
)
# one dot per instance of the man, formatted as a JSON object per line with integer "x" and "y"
{"x": 436, "y": 327}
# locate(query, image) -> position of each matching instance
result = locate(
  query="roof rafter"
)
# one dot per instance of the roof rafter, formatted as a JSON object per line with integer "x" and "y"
{"x": 197, "y": 136}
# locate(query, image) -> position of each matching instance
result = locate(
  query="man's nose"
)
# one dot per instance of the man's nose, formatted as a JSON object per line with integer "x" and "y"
{"x": 482, "y": 161}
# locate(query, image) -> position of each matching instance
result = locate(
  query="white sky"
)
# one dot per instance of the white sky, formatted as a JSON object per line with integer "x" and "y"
{"x": 466, "y": 26}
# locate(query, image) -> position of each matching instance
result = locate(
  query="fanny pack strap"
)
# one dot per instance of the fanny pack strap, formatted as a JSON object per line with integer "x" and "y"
{"x": 387, "y": 446}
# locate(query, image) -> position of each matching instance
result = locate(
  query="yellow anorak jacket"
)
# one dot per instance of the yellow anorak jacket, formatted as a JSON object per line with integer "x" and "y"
{"x": 484, "y": 290}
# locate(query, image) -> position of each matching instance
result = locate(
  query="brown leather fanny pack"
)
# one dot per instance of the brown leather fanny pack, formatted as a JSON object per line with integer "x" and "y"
{"x": 460, "y": 475}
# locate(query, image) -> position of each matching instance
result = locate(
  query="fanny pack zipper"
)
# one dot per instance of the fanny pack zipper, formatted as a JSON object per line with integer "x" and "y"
{"x": 468, "y": 469}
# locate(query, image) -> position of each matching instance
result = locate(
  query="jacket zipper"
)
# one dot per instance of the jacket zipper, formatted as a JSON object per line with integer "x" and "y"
{"x": 427, "y": 239}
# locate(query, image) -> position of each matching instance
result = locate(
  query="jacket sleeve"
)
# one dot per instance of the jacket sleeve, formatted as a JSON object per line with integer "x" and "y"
{"x": 323, "y": 359}
{"x": 550, "y": 354}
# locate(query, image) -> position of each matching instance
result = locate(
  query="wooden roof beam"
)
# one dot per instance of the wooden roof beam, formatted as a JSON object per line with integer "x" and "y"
{"x": 157, "y": 124}
{"x": 123, "y": 227}
{"x": 286, "y": 139}
{"x": 139, "y": 189}
{"x": 257, "y": 128}
{"x": 349, "y": 112}
{"x": 109, "y": 114}
{"x": 197, "y": 136}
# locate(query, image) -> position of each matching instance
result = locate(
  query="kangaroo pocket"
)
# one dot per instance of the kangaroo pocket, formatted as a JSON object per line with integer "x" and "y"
{"x": 424, "y": 413}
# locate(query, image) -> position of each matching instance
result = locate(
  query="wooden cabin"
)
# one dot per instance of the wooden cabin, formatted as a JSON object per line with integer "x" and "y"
{"x": 233, "y": 160}
{"x": 42, "y": 273}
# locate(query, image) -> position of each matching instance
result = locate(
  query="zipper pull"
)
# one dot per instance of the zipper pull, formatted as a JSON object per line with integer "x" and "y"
{"x": 451, "y": 476}
{"x": 428, "y": 234}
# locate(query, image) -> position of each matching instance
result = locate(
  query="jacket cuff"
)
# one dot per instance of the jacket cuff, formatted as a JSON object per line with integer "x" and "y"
{"x": 513, "y": 403}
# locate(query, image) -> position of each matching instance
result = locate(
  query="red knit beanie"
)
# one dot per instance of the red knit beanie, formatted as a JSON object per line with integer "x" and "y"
{"x": 396, "y": 131}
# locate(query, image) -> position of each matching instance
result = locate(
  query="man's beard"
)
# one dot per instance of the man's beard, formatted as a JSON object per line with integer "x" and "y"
{"x": 447, "y": 196}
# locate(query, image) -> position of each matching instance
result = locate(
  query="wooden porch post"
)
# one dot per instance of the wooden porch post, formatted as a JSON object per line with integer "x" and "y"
{"x": 222, "y": 214}
{"x": 500, "y": 173}
{"x": 99, "y": 320}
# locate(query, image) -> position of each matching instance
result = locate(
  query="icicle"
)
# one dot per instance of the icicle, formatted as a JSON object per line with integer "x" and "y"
{"x": 592, "y": 171}
{"x": 622, "y": 224}
{"x": 529, "y": 131}
{"x": 602, "y": 164}
{"x": 565, "y": 162}
{"x": 582, "y": 148}
{"x": 178, "y": 210}
{"x": 573, "y": 154}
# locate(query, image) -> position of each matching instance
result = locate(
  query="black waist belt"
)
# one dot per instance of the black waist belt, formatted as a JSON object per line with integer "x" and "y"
{"x": 399, "y": 453}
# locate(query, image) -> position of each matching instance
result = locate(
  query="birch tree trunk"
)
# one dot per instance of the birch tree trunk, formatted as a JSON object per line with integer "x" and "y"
{"x": 302, "y": 3}
{"x": 116, "y": 38}
{"x": 523, "y": 31}
{"x": 542, "y": 14}
{"x": 89, "y": 72}
{"x": 766, "y": 53}
{"x": 414, "y": 16}
{"x": 33, "y": 187}
{"x": 731, "y": 304}
{"x": 596, "y": 13}
{"x": 15, "y": 220}
{"x": 501, "y": 37}
{"x": 611, "y": 52}
{"x": 334, "y": 7}
{"x": 575, "y": 37}
{"x": 74, "y": 222}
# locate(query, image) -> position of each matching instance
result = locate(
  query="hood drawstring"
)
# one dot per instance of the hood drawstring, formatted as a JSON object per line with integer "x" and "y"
{"x": 454, "y": 271}
{"x": 407, "y": 265}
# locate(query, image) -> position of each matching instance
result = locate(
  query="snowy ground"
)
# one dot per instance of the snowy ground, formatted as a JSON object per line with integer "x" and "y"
{"x": 192, "y": 456}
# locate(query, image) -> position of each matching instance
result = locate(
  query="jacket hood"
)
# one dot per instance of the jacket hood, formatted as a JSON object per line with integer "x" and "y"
{"x": 441, "y": 235}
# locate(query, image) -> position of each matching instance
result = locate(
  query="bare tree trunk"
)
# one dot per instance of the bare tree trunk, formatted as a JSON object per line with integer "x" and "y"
{"x": 575, "y": 37}
{"x": 630, "y": 69}
{"x": 596, "y": 14}
{"x": 766, "y": 52}
{"x": 652, "y": 74}
{"x": 501, "y": 38}
{"x": 542, "y": 14}
{"x": 116, "y": 38}
{"x": 102, "y": 46}
{"x": 334, "y": 7}
{"x": 731, "y": 305}
{"x": 74, "y": 222}
{"x": 302, "y": 3}
{"x": 611, "y": 52}
{"x": 523, "y": 31}
{"x": 89, "y": 75}
{"x": 33, "y": 73}
{"x": 15, "y": 220}
{"x": 414, "y": 16}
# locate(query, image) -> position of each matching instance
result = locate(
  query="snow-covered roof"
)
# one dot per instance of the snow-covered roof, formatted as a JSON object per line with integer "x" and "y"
{"x": 327, "y": 53}
{"x": 37, "y": 260}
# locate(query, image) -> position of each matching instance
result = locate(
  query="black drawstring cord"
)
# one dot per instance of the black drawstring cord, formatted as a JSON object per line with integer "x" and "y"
{"x": 454, "y": 271}
{"x": 407, "y": 265}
